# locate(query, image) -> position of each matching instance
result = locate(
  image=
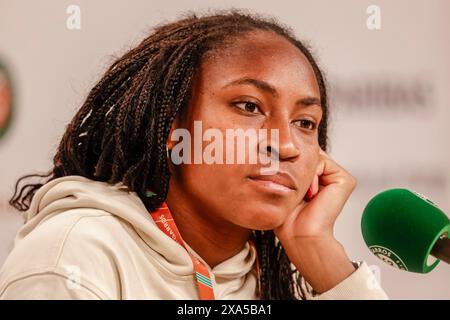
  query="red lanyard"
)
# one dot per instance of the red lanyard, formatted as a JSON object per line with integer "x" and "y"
{"x": 164, "y": 220}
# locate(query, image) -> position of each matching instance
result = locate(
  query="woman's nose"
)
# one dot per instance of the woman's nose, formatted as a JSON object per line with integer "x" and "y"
{"x": 280, "y": 141}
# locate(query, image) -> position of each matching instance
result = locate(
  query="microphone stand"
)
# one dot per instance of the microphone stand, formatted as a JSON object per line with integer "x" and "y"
{"x": 441, "y": 248}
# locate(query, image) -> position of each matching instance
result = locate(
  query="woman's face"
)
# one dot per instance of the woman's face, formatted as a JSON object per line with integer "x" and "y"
{"x": 261, "y": 81}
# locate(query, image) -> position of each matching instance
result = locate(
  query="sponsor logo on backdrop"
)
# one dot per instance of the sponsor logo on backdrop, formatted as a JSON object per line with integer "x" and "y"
{"x": 383, "y": 94}
{"x": 6, "y": 100}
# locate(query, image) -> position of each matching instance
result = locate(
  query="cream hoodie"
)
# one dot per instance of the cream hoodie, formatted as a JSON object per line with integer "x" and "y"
{"x": 85, "y": 239}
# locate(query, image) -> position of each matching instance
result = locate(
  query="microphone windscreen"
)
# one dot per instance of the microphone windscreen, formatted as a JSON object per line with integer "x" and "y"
{"x": 401, "y": 226}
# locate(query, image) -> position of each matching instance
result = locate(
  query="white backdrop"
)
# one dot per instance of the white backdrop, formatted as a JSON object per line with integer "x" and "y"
{"x": 389, "y": 95}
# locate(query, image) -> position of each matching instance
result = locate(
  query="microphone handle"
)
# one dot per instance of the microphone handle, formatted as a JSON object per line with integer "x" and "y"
{"x": 441, "y": 248}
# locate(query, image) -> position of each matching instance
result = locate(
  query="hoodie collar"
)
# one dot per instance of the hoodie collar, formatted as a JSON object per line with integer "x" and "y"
{"x": 77, "y": 192}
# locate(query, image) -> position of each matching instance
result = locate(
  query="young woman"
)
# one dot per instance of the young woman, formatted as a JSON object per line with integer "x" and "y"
{"x": 118, "y": 219}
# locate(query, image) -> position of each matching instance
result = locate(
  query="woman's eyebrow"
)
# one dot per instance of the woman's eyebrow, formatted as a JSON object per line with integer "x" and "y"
{"x": 264, "y": 86}
{"x": 308, "y": 101}
{"x": 260, "y": 84}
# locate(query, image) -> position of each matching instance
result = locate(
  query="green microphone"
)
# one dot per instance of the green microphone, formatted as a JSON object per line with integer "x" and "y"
{"x": 406, "y": 230}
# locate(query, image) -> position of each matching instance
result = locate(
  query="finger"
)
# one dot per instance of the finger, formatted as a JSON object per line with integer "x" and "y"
{"x": 323, "y": 153}
{"x": 321, "y": 166}
{"x": 315, "y": 185}
{"x": 330, "y": 172}
{"x": 333, "y": 173}
{"x": 313, "y": 188}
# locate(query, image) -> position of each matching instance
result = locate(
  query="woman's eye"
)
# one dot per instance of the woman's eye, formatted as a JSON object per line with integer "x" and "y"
{"x": 307, "y": 124}
{"x": 247, "y": 106}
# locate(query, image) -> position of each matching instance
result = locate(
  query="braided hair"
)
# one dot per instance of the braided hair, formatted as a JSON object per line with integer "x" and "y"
{"x": 120, "y": 132}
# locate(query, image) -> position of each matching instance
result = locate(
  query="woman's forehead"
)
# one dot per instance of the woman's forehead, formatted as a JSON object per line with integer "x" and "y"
{"x": 263, "y": 56}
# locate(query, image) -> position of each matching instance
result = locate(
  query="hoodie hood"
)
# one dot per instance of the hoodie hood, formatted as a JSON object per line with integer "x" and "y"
{"x": 77, "y": 192}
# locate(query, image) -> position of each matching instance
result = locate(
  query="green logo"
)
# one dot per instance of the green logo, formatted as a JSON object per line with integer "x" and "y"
{"x": 6, "y": 100}
{"x": 388, "y": 256}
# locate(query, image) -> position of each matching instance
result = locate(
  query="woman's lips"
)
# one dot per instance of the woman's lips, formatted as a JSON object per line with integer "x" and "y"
{"x": 280, "y": 182}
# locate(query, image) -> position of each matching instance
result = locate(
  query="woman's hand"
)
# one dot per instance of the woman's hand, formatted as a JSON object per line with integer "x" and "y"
{"x": 307, "y": 234}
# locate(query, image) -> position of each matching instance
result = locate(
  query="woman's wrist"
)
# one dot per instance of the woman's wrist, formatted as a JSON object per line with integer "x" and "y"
{"x": 322, "y": 261}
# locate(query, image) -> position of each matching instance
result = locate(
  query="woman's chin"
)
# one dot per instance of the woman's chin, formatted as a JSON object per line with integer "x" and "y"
{"x": 264, "y": 219}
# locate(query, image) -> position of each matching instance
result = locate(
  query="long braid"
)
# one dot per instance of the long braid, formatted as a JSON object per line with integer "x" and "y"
{"x": 120, "y": 132}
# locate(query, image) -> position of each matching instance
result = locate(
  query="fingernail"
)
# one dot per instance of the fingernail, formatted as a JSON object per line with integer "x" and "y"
{"x": 309, "y": 194}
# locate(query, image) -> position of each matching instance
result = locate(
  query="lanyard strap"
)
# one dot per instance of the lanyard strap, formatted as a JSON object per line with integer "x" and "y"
{"x": 165, "y": 223}
{"x": 164, "y": 220}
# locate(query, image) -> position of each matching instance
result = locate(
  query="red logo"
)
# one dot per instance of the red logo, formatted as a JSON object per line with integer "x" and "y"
{"x": 5, "y": 99}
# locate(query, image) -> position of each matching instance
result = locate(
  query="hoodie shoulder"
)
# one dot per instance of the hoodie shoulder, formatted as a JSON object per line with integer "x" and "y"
{"x": 74, "y": 244}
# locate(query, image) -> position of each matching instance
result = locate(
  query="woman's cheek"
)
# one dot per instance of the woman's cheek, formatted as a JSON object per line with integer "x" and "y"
{"x": 307, "y": 170}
